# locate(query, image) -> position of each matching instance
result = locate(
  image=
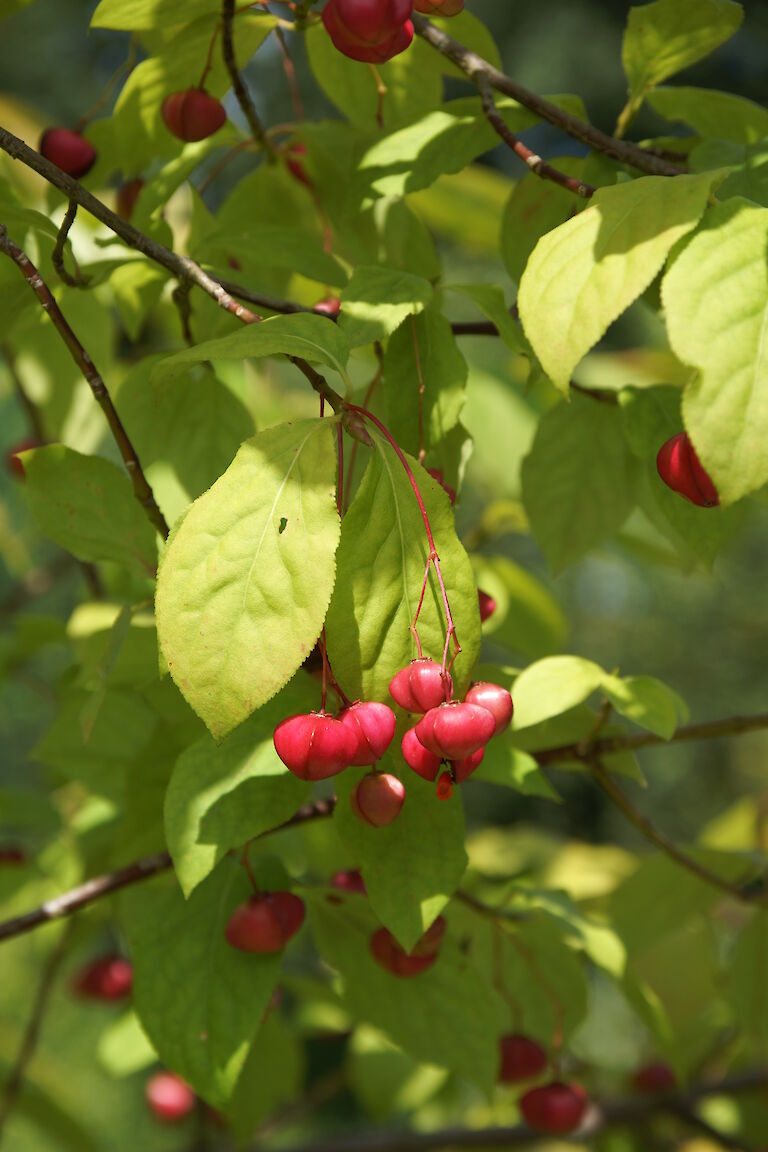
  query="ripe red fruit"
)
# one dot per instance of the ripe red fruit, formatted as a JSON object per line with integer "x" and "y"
{"x": 265, "y": 923}
{"x": 416, "y": 756}
{"x": 373, "y": 727}
{"x": 555, "y": 1107}
{"x": 420, "y": 686}
{"x": 454, "y": 731}
{"x": 169, "y": 1097}
{"x": 682, "y": 471}
{"x": 127, "y": 195}
{"x": 315, "y": 746}
{"x": 496, "y": 699}
{"x": 387, "y": 952}
{"x": 109, "y": 978}
{"x": 654, "y": 1077}
{"x": 372, "y": 20}
{"x": 437, "y": 474}
{"x": 487, "y": 605}
{"x": 192, "y": 114}
{"x": 294, "y": 164}
{"x": 349, "y": 881}
{"x": 67, "y": 150}
{"x": 439, "y": 7}
{"x": 463, "y": 769}
{"x": 364, "y": 48}
{"x": 329, "y": 305}
{"x": 378, "y": 799}
{"x": 521, "y": 1059}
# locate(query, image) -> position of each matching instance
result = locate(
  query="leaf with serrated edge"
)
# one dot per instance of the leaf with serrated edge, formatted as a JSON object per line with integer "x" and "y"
{"x": 715, "y": 299}
{"x": 245, "y": 582}
{"x": 584, "y": 274}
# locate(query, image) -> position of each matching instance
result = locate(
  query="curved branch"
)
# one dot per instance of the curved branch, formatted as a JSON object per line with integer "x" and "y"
{"x": 474, "y": 66}
{"x": 141, "y": 488}
{"x": 57, "y": 256}
{"x": 242, "y": 94}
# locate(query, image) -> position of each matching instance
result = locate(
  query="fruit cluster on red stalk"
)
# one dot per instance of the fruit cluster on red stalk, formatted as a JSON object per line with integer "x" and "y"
{"x": 682, "y": 471}
{"x": 374, "y": 31}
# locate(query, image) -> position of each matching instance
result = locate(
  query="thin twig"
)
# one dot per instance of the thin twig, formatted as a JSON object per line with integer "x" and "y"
{"x": 239, "y": 87}
{"x": 57, "y": 256}
{"x": 474, "y": 66}
{"x": 29, "y": 1040}
{"x": 101, "y": 886}
{"x": 290, "y": 74}
{"x": 141, "y": 488}
{"x": 527, "y": 155}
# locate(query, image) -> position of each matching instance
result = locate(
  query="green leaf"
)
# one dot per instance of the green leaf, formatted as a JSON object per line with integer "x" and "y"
{"x": 489, "y": 298}
{"x": 717, "y": 115}
{"x": 387, "y": 1081}
{"x": 124, "y": 1047}
{"x": 647, "y": 702}
{"x": 245, "y": 581}
{"x": 747, "y": 974}
{"x": 272, "y": 1076}
{"x": 198, "y": 999}
{"x": 577, "y": 480}
{"x": 423, "y": 350}
{"x": 221, "y": 796}
{"x": 535, "y": 207}
{"x": 135, "y": 15}
{"x": 137, "y": 286}
{"x": 277, "y": 246}
{"x": 381, "y": 563}
{"x": 448, "y": 1015}
{"x": 406, "y": 241}
{"x": 511, "y": 768}
{"x": 715, "y": 299}
{"x": 664, "y": 37}
{"x": 311, "y": 337}
{"x": 86, "y": 505}
{"x": 528, "y": 618}
{"x": 552, "y": 686}
{"x": 413, "y": 866}
{"x": 377, "y": 300}
{"x": 584, "y": 274}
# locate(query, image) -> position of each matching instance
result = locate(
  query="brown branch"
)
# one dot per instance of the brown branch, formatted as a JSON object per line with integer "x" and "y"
{"x": 474, "y": 66}
{"x": 527, "y": 155}
{"x": 29, "y": 1040}
{"x": 627, "y": 1110}
{"x": 101, "y": 886}
{"x": 57, "y": 256}
{"x": 242, "y": 94}
{"x": 141, "y": 488}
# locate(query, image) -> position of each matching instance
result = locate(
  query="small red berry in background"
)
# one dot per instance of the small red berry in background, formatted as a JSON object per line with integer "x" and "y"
{"x": 266, "y": 922}
{"x": 349, "y": 881}
{"x": 521, "y": 1059}
{"x": 554, "y": 1108}
{"x": 109, "y": 978}
{"x": 329, "y": 305}
{"x": 487, "y": 605}
{"x": 389, "y": 955}
{"x": 378, "y": 799}
{"x": 497, "y": 701}
{"x": 419, "y": 687}
{"x": 67, "y": 150}
{"x": 12, "y": 856}
{"x": 127, "y": 195}
{"x": 315, "y": 746}
{"x": 682, "y": 471}
{"x": 169, "y": 1097}
{"x": 439, "y": 7}
{"x": 456, "y": 730}
{"x": 373, "y": 727}
{"x": 654, "y": 1077}
{"x": 193, "y": 114}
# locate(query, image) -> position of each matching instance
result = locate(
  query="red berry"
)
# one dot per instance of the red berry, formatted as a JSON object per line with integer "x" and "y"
{"x": 463, "y": 769}
{"x": 444, "y": 789}
{"x": 654, "y": 1077}
{"x": 294, "y": 164}
{"x": 454, "y": 731}
{"x": 315, "y": 746}
{"x": 437, "y": 474}
{"x": 370, "y": 51}
{"x": 521, "y": 1059}
{"x": 416, "y": 756}
{"x": 12, "y": 855}
{"x": 378, "y": 799}
{"x": 372, "y": 20}
{"x": 387, "y": 952}
{"x": 487, "y": 605}
{"x": 349, "y": 881}
{"x": 127, "y": 195}
{"x": 265, "y": 923}
{"x": 682, "y": 471}
{"x": 169, "y": 1097}
{"x": 329, "y": 305}
{"x": 439, "y": 7}
{"x": 420, "y": 686}
{"x": 496, "y": 699}
{"x": 68, "y": 150}
{"x": 373, "y": 727}
{"x": 192, "y": 114}
{"x": 110, "y": 978}
{"x": 555, "y": 1107}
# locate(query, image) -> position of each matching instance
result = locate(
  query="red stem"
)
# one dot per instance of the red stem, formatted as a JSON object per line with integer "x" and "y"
{"x": 340, "y": 481}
